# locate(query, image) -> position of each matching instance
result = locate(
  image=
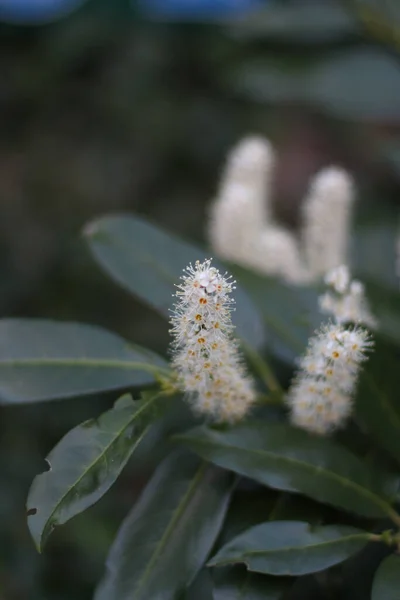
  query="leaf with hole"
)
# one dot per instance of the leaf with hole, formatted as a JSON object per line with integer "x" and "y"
{"x": 84, "y": 465}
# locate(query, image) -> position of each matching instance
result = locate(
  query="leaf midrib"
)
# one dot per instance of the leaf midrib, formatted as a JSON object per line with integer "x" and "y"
{"x": 283, "y": 550}
{"x": 94, "y": 462}
{"x": 76, "y": 362}
{"x": 181, "y": 507}
{"x": 385, "y": 506}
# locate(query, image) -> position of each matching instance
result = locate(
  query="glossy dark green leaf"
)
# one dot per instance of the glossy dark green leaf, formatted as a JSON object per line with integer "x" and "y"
{"x": 312, "y": 22}
{"x": 84, "y": 465}
{"x": 286, "y": 458}
{"x": 165, "y": 540}
{"x": 235, "y": 583}
{"x": 386, "y": 585}
{"x": 291, "y": 548}
{"x": 378, "y": 402}
{"x": 372, "y": 255}
{"x": 239, "y": 518}
{"x": 357, "y": 573}
{"x": 359, "y": 83}
{"x": 148, "y": 262}
{"x": 201, "y": 588}
{"x": 43, "y": 360}
{"x": 290, "y": 313}
{"x": 374, "y": 263}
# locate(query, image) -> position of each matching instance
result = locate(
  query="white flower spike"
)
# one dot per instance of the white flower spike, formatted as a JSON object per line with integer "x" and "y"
{"x": 242, "y": 205}
{"x": 326, "y": 213}
{"x": 241, "y": 226}
{"x": 205, "y": 354}
{"x": 320, "y": 398}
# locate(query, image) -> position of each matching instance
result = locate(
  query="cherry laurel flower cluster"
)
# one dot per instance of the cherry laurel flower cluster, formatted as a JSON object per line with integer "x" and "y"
{"x": 242, "y": 229}
{"x": 205, "y": 354}
{"x": 320, "y": 398}
{"x": 346, "y": 302}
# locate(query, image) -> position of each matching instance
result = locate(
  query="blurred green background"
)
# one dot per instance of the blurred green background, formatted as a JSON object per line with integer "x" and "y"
{"x": 117, "y": 108}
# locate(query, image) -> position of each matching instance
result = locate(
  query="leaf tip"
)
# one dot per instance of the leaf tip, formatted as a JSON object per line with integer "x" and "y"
{"x": 93, "y": 230}
{"x": 37, "y": 539}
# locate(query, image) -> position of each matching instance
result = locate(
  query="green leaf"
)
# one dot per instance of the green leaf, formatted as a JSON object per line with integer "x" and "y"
{"x": 201, "y": 588}
{"x": 358, "y": 572}
{"x": 285, "y": 458}
{"x": 148, "y": 262}
{"x": 262, "y": 501}
{"x": 292, "y": 22}
{"x": 372, "y": 255}
{"x": 386, "y": 585}
{"x": 43, "y": 360}
{"x": 238, "y": 584}
{"x": 235, "y": 583}
{"x": 84, "y": 465}
{"x": 291, "y": 547}
{"x": 361, "y": 83}
{"x": 377, "y": 402}
{"x": 166, "y": 538}
{"x": 374, "y": 263}
{"x": 290, "y": 313}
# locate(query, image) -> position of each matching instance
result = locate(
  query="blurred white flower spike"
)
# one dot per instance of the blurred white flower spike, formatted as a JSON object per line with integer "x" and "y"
{"x": 205, "y": 353}
{"x": 242, "y": 206}
{"x": 320, "y": 398}
{"x": 242, "y": 227}
{"x": 326, "y": 220}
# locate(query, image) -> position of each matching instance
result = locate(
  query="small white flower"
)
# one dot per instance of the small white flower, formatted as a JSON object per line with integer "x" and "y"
{"x": 338, "y": 278}
{"x": 205, "y": 354}
{"x": 320, "y": 398}
{"x": 347, "y": 303}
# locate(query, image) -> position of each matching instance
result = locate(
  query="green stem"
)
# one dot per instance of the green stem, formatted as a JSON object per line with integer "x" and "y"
{"x": 387, "y": 537}
{"x": 270, "y": 399}
{"x": 263, "y": 369}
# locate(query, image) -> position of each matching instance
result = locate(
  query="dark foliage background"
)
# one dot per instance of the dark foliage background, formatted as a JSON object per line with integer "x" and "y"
{"x": 110, "y": 109}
